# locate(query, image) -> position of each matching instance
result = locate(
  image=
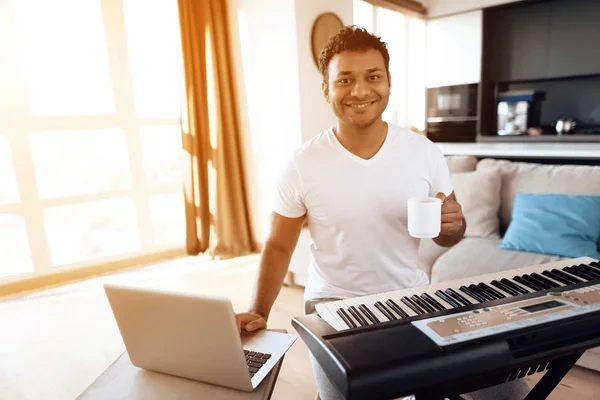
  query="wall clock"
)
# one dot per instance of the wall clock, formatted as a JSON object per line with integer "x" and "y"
{"x": 325, "y": 26}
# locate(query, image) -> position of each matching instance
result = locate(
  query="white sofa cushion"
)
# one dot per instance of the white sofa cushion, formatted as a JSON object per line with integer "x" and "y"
{"x": 540, "y": 178}
{"x": 481, "y": 256}
{"x": 461, "y": 163}
{"x": 478, "y": 192}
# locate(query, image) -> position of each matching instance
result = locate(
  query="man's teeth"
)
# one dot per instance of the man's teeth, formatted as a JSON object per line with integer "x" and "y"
{"x": 361, "y": 105}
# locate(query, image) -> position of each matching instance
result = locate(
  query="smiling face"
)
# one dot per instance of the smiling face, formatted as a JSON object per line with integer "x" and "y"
{"x": 357, "y": 87}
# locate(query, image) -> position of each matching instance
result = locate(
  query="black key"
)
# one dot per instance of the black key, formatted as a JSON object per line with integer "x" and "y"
{"x": 522, "y": 373}
{"x": 542, "y": 367}
{"x": 532, "y": 370}
{"x": 259, "y": 355}
{"x": 253, "y": 364}
{"x": 482, "y": 293}
{"x": 246, "y": 352}
{"x": 504, "y": 287}
{"x": 346, "y": 318}
{"x": 251, "y": 375}
{"x": 251, "y": 353}
{"x": 447, "y": 299}
{"x": 492, "y": 290}
{"x": 595, "y": 264}
{"x": 357, "y": 316}
{"x": 588, "y": 270}
{"x": 513, "y": 285}
{"x": 392, "y": 304}
{"x": 557, "y": 278}
{"x": 258, "y": 360}
{"x": 433, "y": 301}
{"x": 455, "y": 295}
{"x": 253, "y": 370}
{"x": 567, "y": 276}
{"x": 527, "y": 283}
{"x": 474, "y": 295}
{"x": 385, "y": 311}
{"x": 266, "y": 356}
{"x": 578, "y": 273}
{"x": 537, "y": 281}
{"x": 422, "y": 304}
{"x": 369, "y": 314}
{"x": 412, "y": 306}
{"x": 544, "y": 279}
{"x": 534, "y": 282}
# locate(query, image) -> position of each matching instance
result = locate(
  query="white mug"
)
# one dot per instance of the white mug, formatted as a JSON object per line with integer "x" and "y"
{"x": 424, "y": 217}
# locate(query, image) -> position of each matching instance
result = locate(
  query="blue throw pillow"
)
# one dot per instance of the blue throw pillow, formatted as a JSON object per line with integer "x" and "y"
{"x": 563, "y": 225}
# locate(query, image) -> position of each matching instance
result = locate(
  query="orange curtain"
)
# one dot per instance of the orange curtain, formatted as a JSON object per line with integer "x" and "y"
{"x": 217, "y": 209}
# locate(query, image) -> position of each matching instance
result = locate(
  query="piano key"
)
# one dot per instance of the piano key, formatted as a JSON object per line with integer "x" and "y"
{"x": 328, "y": 311}
{"x": 514, "y": 286}
{"x": 366, "y": 311}
{"x": 433, "y": 302}
{"x": 346, "y": 318}
{"x": 484, "y": 291}
{"x": 385, "y": 311}
{"x": 556, "y": 277}
{"x": 544, "y": 279}
{"x": 578, "y": 273}
{"x": 358, "y": 315}
{"x": 447, "y": 299}
{"x": 457, "y": 296}
{"x": 369, "y": 302}
{"x": 490, "y": 289}
{"x": 422, "y": 304}
{"x": 469, "y": 292}
{"x": 504, "y": 287}
{"x": 503, "y": 284}
{"x": 394, "y": 306}
{"x": 588, "y": 270}
{"x": 481, "y": 292}
{"x": 527, "y": 283}
{"x": 534, "y": 280}
{"x": 565, "y": 275}
{"x": 412, "y": 306}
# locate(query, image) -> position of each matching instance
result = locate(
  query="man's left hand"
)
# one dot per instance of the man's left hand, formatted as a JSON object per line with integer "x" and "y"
{"x": 452, "y": 215}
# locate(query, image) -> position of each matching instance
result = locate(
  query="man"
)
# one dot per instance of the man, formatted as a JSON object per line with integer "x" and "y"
{"x": 351, "y": 184}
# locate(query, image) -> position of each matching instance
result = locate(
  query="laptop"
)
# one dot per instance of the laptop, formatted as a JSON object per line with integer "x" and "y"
{"x": 193, "y": 336}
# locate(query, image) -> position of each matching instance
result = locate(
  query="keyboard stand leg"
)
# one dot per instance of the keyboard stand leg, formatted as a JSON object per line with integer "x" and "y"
{"x": 556, "y": 372}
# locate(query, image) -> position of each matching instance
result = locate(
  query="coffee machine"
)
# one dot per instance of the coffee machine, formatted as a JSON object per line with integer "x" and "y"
{"x": 518, "y": 110}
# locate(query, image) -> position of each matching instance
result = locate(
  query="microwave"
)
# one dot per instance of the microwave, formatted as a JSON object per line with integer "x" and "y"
{"x": 452, "y": 114}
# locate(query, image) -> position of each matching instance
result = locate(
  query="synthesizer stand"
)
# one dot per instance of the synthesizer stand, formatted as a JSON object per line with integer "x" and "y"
{"x": 553, "y": 376}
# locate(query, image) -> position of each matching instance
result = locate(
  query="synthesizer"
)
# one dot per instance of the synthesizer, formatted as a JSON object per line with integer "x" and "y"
{"x": 458, "y": 336}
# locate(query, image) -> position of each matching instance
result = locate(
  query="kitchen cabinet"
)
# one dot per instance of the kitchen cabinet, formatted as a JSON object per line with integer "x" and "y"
{"x": 438, "y": 8}
{"x": 574, "y": 43}
{"x": 453, "y": 49}
{"x": 517, "y": 42}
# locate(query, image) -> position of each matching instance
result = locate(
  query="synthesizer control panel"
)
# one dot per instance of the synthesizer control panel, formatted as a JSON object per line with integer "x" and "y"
{"x": 476, "y": 324}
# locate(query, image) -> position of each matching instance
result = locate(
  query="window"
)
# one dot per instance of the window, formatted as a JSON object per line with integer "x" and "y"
{"x": 90, "y": 141}
{"x": 405, "y": 37}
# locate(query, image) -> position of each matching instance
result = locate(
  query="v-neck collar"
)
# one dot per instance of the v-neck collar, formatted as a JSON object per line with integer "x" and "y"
{"x": 366, "y": 162}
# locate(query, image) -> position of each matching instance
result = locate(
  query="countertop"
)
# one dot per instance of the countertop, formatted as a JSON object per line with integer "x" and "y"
{"x": 523, "y": 150}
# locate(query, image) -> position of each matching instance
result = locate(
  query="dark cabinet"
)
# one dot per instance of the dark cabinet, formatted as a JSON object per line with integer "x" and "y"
{"x": 574, "y": 39}
{"x": 539, "y": 40}
{"x": 517, "y": 42}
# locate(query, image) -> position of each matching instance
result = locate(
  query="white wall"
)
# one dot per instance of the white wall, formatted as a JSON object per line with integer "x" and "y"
{"x": 315, "y": 114}
{"x": 266, "y": 62}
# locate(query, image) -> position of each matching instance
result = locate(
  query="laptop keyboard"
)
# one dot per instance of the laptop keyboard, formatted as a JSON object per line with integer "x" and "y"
{"x": 255, "y": 361}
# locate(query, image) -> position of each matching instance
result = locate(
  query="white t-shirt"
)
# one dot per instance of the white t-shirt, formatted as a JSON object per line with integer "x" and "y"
{"x": 357, "y": 210}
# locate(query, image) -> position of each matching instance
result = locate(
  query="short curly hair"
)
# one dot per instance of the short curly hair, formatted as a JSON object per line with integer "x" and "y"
{"x": 352, "y": 38}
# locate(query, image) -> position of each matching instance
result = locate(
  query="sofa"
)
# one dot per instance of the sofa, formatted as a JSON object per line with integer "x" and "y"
{"x": 486, "y": 190}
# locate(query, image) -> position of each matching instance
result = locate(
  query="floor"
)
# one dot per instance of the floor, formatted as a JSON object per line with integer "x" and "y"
{"x": 56, "y": 342}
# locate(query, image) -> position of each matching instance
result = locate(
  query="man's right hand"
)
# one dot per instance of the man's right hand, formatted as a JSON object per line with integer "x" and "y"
{"x": 250, "y": 322}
